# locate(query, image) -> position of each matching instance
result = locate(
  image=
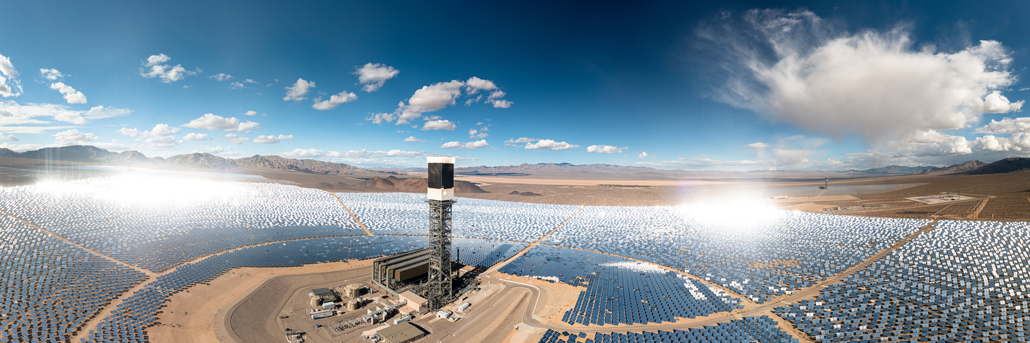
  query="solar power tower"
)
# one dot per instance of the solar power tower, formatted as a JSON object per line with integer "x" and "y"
{"x": 441, "y": 197}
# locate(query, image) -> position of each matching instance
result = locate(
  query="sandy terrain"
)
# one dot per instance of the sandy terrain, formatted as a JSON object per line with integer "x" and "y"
{"x": 556, "y": 298}
{"x": 191, "y": 315}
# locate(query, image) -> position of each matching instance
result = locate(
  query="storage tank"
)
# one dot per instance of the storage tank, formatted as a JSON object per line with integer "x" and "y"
{"x": 352, "y": 305}
{"x": 315, "y": 301}
{"x": 353, "y": 290}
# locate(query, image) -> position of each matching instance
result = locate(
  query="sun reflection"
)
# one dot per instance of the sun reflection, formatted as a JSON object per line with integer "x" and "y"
{"x": 734, "y": 214}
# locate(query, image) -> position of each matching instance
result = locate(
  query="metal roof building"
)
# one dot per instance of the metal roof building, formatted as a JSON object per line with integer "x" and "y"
{"x": 401, "y": 333}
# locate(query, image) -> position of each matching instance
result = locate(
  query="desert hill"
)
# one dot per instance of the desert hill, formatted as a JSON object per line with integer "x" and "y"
{"x": 1007, "y": 165}
{"x": 955, "y": 168}
{"x": 892, "y": 169}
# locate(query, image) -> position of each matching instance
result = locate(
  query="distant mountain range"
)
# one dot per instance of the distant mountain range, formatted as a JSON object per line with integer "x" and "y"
{"x": 966, "y": 166}
{"x": 91, "y": 154}
{"x": 892, "y": 170}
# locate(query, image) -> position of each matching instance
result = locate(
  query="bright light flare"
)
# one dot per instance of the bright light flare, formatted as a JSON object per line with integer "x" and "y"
{"x": 734, "y": 215}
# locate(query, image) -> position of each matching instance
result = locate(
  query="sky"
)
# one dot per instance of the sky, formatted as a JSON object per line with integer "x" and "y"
{"x": 827, "y": 85}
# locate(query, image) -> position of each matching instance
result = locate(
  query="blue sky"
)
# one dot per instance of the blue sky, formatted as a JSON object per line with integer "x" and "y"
{"x": 740, "y": 86}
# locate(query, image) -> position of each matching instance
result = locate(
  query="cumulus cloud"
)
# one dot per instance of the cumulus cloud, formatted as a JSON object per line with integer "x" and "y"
{"x": 304, "y": 153}
{"x": 475, "y": 84}
{"x": 463, "y": 146}
{"x": 161, "y": 136}
{"x": 271, "y": 139}
{"x": 9, "y": 84}
{"x": 642, "y": 154}
{"x": 9, "y": 138}
{"x": 438, "y": 125}
{"x": 70, "y": 94}
{"x": 374, "y": 75}
{"x": 74, "y": 137}
{"x": 798, "y": 68}
{"x": 12, "y": 113}
{"x": 440, "y": 95}
{"x": 193, "y": 136}
{"x": 379, "y": 118}
{"x": 236, "y": 139}
{"x": 515, "y": 141}
{"x": 249, "y": 113}
{"x": 412, "y": 139}
{"x": 1006, "y": 125}
{"x": 236, "y": 85}
{"x": 605, "y": 149}
{"x": 498, "y": 103}
{"x": 298, "y": 89}
{"x": 210, "y": 121}
{"x": 474, "y": 133}
{"x": 165, "y": 72}
{"x": 547, "y": 144}
{"x": 50, "y": 74}
{"x": 333, "y": 101}
{"x": 128, "y": 132}
{"x": 220, "y": 77}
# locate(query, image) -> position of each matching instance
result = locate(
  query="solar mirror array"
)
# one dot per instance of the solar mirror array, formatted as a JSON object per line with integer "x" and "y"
{"x": 749, "y": 329}
{"x": 621, "y": 291}
{"x": 963, "y": 281}
{"x": 48, "y": 288}
{"x": 795, "y": 250}
{"x": 150, "y": 229}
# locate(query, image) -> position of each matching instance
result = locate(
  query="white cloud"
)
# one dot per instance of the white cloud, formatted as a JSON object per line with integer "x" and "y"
{"x": 497, "y": 94}
{"x": 333, "y": 101}
{"x": 249, "y": 113}
{"x": 997, "y": 103}
{"x": 161, "y": 136}
{"x": 796, "y": 67}
{"x": 9, "y": 138}
{"x": 304, "y": 153}
{"x": 271, "y": 139}
{"x": 605, "y": 149}
{"x": 374, "y": 75}
{"x": 298, "y": 89}
{"x": 70, "y": 94}
{"x": 128, "y": 132}
{"x": 758, "y": 145}
{"x": 463, "y": 146}
{"x": 1016, "y": 142}
{"x": 74, "y": 137}
{"x": 412, "y": 139}
{"x": 9, "y": 83}
{"x": 438, "y": 125}
{"x": 1006, "y": 125}
{"x": 474, "y": 133}
{"x": 379, "y": 118}
{"x": 500, "y": 103}
{"x": 643, "y": 154}
{"x": 514, "y": 142}
{"x": 475, "y": 84}
{"x": 166, "y": 73}
{"x": 550, "y": 145}
{"x": 12, "y": 113}
{"x": 210, "y": 121}
{"x": 220, "y": 77}
{"x": 193, "y": 136}
{"x": 236, "y": 139}
{"x": 50, "y": 74}
{"x": 236, "y": 85}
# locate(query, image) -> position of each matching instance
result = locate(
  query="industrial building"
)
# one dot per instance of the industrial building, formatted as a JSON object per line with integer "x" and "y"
{"x": 395, "y": 272}
{"x": 401, "y": 333}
